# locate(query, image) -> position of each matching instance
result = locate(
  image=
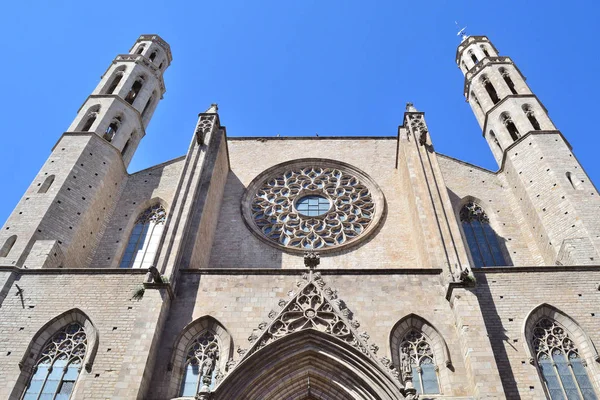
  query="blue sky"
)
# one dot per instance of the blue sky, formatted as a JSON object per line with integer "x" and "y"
{"x": 291, "y": 67}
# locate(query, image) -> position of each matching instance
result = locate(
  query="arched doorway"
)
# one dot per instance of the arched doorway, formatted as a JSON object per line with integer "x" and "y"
{"x": 308, "y": 365}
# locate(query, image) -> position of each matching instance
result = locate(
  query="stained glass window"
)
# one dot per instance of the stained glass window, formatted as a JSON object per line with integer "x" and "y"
{"x": 415, "y": 346}
{"x": 59, "y": 365}
{"x": 200, "y": 365}
{"x": 145, "y": 238}
{"x": 481, "y": 238}
{"x": 563, "y": 371}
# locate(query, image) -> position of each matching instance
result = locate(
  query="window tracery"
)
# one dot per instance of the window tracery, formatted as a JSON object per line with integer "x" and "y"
{"x": 59, "y": 364}
{"x": 202, "y": 357}
{"x": 144, "y": 239}
{"x": 278, "y": 211}
{"x": 416, "y": 351}
{"x": 563, "y": 370}
{"x": 481, "y": 238}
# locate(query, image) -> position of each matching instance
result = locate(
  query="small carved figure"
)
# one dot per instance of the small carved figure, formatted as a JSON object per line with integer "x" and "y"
{"x": 405, "y": 365}
{"x": 208, "y": 364}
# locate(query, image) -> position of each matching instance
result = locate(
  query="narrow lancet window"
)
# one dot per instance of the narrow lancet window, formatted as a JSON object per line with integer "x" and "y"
{"x": 531, "y": 117}
{"x": 148, "y": 104}
{"x": 59, "y": 364}
{"x": 508, "y": 80}
{"x": 563, "y": 370}
{"x": 495, "y": 139}
{"x": 112, "y": 129}
{"x": 476, "y": 100}
{"x": 473, "y": 57}
{"x": 490, "y": 89}
{"x": 115, "y": 82}
{"x": 89, "y": 122}
{"x": 484, "y": 49}
{"x": 140, "y": 49}
{"x": 134, "y": 91}
{"x": 145, "y": 238}
{"x": 415, "y": 351}
{"x": 152, "y": 56}
{"x": 8, "y": 245}
{"x": 47, "y": 183}
{"x": 510, "y": 126}
{"x": 201, "y": 360}
{"x": 481, "y": 238}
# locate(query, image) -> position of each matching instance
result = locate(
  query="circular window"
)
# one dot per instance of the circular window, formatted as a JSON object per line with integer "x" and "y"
{"x": 312, "y": 204}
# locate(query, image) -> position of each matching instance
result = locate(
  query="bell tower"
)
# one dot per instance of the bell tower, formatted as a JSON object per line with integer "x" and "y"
{"x": 62, "y": 216}
{"x": 555, "y": 194}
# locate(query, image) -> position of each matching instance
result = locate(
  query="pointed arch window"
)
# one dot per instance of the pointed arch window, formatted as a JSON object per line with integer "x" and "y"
{"x": 481, "y": 238}
{"x": 148, "y": 104}
{"x": 46, "y": 185}
{"x": 495, "y": 139}
{"x": 563, "y": 370}
{"x": 508, "y": 80}
{"x": 135, "y": 90}
{"x": 473, "y": 57}
{"x": 89, "y": 122}
{"x": 416, "y": 350}
{"x": 490, "y": 89}
{"x": 201, "y": 359}
{"x": 153, "y": 56}
{"x": 112, "y": 129}
{"x": 8, "y": 245}
{"x": 510, "y": 126}
{"x": 140, "y": 49}
{"x": 484, "y": 49}
{"x": 59, "y": 364}
{"x": 531, "y": 117}
{"x": 145, "y": 238}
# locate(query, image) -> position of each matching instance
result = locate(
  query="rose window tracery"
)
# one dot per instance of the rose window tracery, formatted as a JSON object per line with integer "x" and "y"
{"x": 313, "y": 207}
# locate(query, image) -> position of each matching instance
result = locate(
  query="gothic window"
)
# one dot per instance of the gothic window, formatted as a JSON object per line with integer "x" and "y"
{"x": 115, "y": 82}
{"x": 112, "y": 129}
{"x": 90, "y": 121}
{"x": 144, "y": 239}
{"x": 46, "y": 185}
{"x": 531, "y": 117}
{"x": 416, "y": 350}
{"x": 473, "y": 57}
{"x": 562, "y": 369}
{"x": 490, "y": 89}
{"x": 481, "y": 238}
{"x": 152, "y": 56}
{"x": 58, "y": 366}
{"x": 508, "y": 80}
{"x": 312, "y": 204}
{"x": 135, "y": 90}
{"x": 484, "y": 49}
{"x": 8, "y": 245}
{"x": 140, "y": 49}
{"x": 495, "y": 139}
{"x": 510, "y": 126}
{"x": 202, "y": 357}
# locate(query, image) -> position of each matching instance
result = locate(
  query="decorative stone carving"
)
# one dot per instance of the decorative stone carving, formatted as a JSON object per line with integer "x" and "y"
{"x": 318, "y": 205}
{"x": 311, "y": 259}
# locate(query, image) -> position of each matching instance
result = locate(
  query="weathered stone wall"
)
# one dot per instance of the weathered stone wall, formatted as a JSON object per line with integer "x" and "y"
{"x": 106, "y": 299}
{"x": 507, "y": 296}
{"x": 392, "y": 245}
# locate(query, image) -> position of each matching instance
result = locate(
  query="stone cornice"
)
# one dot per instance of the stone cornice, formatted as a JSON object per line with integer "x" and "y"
{"x": 323, "y": 271}
{"x": 469, "y": 41}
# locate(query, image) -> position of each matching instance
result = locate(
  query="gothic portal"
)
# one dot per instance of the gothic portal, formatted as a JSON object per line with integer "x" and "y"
{"x": 370, "y": 268}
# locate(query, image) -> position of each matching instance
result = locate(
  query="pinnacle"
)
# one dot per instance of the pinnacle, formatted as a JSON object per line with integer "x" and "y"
{"x": 213, "y": 109}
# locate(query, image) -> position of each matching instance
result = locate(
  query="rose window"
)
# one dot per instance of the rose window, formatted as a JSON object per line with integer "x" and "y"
{"x": 307, "y": 206}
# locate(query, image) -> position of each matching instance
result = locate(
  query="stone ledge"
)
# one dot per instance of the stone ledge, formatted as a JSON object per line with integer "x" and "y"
{"x": 298, "y": 271}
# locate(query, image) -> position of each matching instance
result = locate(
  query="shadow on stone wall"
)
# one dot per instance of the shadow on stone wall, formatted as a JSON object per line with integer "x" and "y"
{"x": 497, "y": 335}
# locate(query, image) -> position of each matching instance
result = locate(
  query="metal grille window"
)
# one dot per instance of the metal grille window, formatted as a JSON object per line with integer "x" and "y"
{"x": 415, "y": 348}
{"x": 145, "y": 238}
{"x": 481, "y": 238}
{"x": 199, "y": 370}
{"x": 564, "y": 372}
{"x": 58, "y": 367}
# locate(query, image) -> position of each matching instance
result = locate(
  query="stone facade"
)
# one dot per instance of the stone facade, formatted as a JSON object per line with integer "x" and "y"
{"x": 401, "y": 258}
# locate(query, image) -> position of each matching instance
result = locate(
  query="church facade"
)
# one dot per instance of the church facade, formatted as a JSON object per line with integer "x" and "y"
{"x": 297, "y": 268}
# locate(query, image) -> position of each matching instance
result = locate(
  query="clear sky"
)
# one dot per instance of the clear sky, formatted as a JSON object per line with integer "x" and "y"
{"x": 294, "y": 67}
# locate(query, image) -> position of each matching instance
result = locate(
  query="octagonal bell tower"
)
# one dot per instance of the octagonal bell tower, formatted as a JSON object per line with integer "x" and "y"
{"x": 556, "y": 196}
